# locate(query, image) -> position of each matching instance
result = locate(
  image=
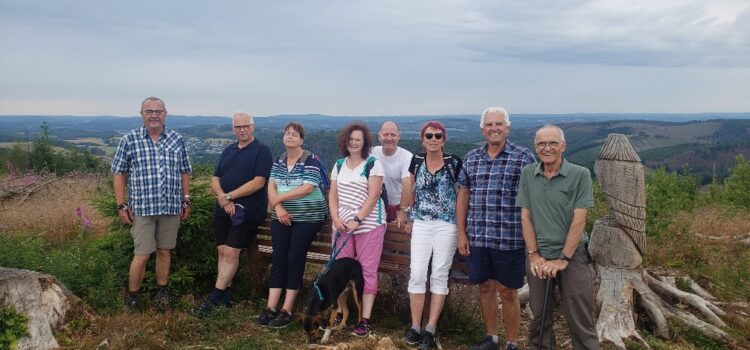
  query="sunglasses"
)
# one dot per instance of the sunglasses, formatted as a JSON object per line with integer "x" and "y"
{"x": 429, "y": 135}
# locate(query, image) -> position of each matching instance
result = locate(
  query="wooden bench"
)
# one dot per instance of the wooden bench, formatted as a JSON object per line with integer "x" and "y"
{"x": 394, "y": 260}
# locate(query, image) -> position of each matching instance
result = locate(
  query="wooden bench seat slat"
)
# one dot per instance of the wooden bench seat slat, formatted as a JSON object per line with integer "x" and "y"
{"x": 396, "y": 255}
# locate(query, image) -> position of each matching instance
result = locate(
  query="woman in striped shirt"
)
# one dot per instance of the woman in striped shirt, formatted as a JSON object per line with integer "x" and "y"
{"x": 357, "y": 210}
{"x": 299, "y": 209}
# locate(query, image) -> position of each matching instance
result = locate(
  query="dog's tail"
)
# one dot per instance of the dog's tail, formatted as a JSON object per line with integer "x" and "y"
{"x": 359, "y": 280}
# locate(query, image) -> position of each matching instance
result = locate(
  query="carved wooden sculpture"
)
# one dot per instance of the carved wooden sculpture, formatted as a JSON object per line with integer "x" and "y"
{"x": 617, "y": 245}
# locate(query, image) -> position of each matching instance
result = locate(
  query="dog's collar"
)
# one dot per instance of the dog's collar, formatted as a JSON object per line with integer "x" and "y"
{"x": 317, "y": 291}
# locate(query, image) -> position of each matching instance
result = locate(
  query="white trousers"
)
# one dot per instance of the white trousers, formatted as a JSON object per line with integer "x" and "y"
{"x": 436, "y": 239}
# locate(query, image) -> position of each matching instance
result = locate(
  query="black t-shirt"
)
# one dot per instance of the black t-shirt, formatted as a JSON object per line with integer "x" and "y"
{"x": 238, "y": 166}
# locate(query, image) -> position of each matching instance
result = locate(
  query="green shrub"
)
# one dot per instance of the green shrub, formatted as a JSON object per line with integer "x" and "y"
{"x": 600, "y": 209}
{"x": 667, "y": 193}
{"x": 737, "y": 185}
{"x": 193, "y": 265}
{"x": 94, "y": 270}
{"x": 12, "y": 327}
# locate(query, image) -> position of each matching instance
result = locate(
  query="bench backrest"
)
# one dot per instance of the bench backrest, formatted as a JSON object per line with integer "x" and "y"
{"x": 395, "y": 257}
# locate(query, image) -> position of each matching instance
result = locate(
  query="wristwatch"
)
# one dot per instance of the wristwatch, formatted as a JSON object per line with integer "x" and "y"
{"x": 530, "y": 252}
{"x": 123, "y": 206}
{"x": 565, "y": 257}
{"x": 228, "y": 196}
{"x": 357, "y": 219}
{"x": 406, "y": 209}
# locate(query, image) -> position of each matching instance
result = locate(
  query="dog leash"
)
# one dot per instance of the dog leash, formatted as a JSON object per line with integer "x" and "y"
{"x": 335, "y": 252}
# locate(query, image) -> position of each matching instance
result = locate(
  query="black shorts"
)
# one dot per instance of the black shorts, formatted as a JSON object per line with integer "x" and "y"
{"x": 504, "y": 266}
{"x": 239, "y": 237}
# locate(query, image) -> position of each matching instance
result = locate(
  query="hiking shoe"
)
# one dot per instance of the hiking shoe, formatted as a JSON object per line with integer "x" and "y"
{"x": 205, "y": 309}
{"x": 427, "y": 342}
{"x": 511, "y": 346}
{"x": 266, "y": 316}
{"x": 362, "y": 329}
{"x": 161, "y": 300}
{"x": 227, "y": 298}
{"x": 412, "y": 337}
{"x": 281, "y": 320}
{"x": 133, "y": 302}
{"x": 485, "y": 344}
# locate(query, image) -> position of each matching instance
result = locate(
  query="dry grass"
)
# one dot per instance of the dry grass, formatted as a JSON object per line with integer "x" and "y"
{"x": 52, "y": 212}
{"x": 717, "y": 221}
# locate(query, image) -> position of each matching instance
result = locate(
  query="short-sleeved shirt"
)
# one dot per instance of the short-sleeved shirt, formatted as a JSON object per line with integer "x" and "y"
{"x": 236, "y": 167}
{"x": 552, "y": 201}
{"x": 395, "y": 168}
{"x": 435, "y": 194}
{"x": 352, "y": 188}
{"x": 310, "y": 208}
{"x": 493, "y": 220}
{"x": 154, "y": 171}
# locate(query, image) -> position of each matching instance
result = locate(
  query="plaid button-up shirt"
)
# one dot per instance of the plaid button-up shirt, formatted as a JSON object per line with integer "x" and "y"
{"x": 493, "y": 220}
{"x": 154, "y": 171}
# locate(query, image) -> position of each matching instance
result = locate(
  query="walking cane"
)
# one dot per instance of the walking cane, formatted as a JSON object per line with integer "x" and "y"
{"x": 544, "y": 313}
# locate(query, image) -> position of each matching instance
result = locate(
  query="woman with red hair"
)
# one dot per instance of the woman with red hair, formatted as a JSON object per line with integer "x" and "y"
{"x": 433, "y": 176}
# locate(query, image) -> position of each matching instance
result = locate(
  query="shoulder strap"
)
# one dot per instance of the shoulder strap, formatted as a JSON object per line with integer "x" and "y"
{"x": 339, "y": 163}
{"x": 303, "y": 157}
{"x": 419, "y": 162}
{"x": 450, "y": 162}
{"x": 282, "y": 157}
{"x": 368, "y": 166}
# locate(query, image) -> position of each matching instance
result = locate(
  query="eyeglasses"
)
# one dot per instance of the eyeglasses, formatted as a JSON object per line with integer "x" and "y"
{"x": 156, "y": 112}
{"x": 429, "y": 135}
{"x": 240, "y": 127}
{"x": 550, "y": 144}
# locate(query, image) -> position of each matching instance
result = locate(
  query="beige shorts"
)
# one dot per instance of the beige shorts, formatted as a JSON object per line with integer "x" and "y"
{"x": 150, "y": 232}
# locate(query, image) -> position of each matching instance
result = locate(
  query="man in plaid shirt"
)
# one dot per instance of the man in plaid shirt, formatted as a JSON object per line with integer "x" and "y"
{"x": 151, "y": 162}
{"x": 489, "y": 225}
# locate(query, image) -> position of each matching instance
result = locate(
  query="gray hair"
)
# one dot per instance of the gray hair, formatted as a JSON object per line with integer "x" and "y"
{"x": 494, "y": 110}
{"x": 242, "y": 114}
{"x": 152, "y": 98}
{"x": 550, "y": 126}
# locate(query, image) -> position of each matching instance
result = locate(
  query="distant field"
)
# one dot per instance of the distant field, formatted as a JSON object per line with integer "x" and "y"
{"x": 91, "y": 140}
{"x": 26, "y": 144}
{"x": 11, "y": 144}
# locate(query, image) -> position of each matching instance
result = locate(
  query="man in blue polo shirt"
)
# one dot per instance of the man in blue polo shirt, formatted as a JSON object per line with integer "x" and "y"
{"x": 489, "y": 225}
{"x": 240, "y": 183}
{"x": 554, "y": 196}
{"x": 151, "y": 162}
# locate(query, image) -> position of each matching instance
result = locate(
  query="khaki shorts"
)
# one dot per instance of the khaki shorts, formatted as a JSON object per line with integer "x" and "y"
{"x": 150, "y": 232}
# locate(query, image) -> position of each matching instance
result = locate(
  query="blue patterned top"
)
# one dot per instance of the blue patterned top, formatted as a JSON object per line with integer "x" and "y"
{"x": 154, "y": 171}
{"x": 435, "y": 193}
{"x": 493, "y": 220}
{"x": 310, "y": 208}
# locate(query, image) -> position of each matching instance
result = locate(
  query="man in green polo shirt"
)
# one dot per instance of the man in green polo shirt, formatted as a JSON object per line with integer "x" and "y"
{"x": 554, "y": 196}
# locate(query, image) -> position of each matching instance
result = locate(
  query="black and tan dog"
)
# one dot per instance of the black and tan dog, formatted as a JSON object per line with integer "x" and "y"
{"x": 333, "y": 287}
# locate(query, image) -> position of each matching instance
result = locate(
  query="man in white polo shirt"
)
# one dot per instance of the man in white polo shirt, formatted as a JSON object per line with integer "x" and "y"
{"x": 395, "y": 161}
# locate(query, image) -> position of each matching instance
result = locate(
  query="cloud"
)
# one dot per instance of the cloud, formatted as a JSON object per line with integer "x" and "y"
{"x": 627, "y": 33}
{"x": 374, "y": 57}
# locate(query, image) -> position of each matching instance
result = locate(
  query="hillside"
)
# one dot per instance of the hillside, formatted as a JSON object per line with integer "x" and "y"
{"x": 706, "y": 144}
{"x": 76, "y": 244}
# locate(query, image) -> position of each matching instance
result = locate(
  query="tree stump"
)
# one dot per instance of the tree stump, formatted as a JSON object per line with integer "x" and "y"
{"x": 45, "y": 301}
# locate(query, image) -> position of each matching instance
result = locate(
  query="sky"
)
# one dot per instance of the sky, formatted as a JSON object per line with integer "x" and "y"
{"x": 380, "y": 57}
